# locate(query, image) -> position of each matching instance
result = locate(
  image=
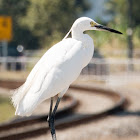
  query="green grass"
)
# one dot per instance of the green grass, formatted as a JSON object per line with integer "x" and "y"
{"x": 6, "y": 109}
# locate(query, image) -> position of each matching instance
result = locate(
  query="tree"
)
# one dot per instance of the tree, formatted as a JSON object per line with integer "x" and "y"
{"x": 50, "y": 20}
{"x": 17, "y": 9}
{"x": 120, "y": 12}
{"x": 126, "y": 13}
{"x": 40, "y": 22}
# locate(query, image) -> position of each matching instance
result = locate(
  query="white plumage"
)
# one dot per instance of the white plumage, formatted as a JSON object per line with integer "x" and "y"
{"x": 54, "y": 72}
{"x": 57, "y": 69}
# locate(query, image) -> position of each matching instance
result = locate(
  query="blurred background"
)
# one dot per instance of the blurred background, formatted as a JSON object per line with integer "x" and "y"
{"x": 29, "y": 28}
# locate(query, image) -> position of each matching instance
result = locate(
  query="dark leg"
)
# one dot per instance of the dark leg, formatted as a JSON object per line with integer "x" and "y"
{"x": 50, "y": 111}
{"x": 52, "y": 117}
{"x": 56, "y": 106}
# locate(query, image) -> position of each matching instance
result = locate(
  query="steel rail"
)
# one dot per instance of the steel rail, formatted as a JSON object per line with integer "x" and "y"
{"x": 65, "y": 117}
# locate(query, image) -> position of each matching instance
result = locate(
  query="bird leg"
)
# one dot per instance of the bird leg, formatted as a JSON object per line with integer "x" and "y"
{"x": 50, "y": 111}
{"x": 51, "y": 118}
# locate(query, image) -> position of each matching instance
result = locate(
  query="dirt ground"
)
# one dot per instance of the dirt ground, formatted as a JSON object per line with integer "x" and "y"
{"x": 120, "y": 126}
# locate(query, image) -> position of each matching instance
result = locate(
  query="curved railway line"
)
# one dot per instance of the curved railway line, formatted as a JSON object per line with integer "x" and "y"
{"x": 33, "y": 126}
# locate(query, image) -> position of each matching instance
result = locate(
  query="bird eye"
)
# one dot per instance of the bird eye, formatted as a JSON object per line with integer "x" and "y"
{"x": 92, "y": 24}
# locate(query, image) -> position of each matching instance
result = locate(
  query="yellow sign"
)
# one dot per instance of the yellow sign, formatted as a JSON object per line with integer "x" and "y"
{"x": 5, "y": 28}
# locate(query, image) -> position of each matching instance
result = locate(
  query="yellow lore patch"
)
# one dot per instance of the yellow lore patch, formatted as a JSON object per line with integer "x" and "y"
{"x": 92, "y": 24}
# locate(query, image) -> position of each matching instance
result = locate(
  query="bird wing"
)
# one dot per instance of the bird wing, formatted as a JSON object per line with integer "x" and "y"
{"x": 49, "y": 73}
{"x": 51, "y": 59}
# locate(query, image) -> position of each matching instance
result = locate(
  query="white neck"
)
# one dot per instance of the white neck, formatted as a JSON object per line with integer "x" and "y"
{"x": 87, "y": 44}
{"x": 80, "y": 36}
{"x": 77, "y": 34}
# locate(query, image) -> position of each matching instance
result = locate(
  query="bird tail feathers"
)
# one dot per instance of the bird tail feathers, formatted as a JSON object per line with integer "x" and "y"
{"x": 18, "y": 94}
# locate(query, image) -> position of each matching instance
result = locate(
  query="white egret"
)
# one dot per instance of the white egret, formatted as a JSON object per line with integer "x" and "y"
{"x": 57, "y": 69}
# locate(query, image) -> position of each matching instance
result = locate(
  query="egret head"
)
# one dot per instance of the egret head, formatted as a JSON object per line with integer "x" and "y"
{"x": 85, "y": 23}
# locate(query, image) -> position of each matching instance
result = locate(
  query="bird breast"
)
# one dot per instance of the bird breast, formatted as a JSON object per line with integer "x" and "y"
{"x": 88, "y": 48}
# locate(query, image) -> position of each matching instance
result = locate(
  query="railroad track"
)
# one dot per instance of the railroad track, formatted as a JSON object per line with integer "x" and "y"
{"x": 36, "y": 125}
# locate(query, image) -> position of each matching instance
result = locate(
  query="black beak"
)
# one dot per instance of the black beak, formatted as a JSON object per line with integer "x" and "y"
{"x": 101, "y": 27}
